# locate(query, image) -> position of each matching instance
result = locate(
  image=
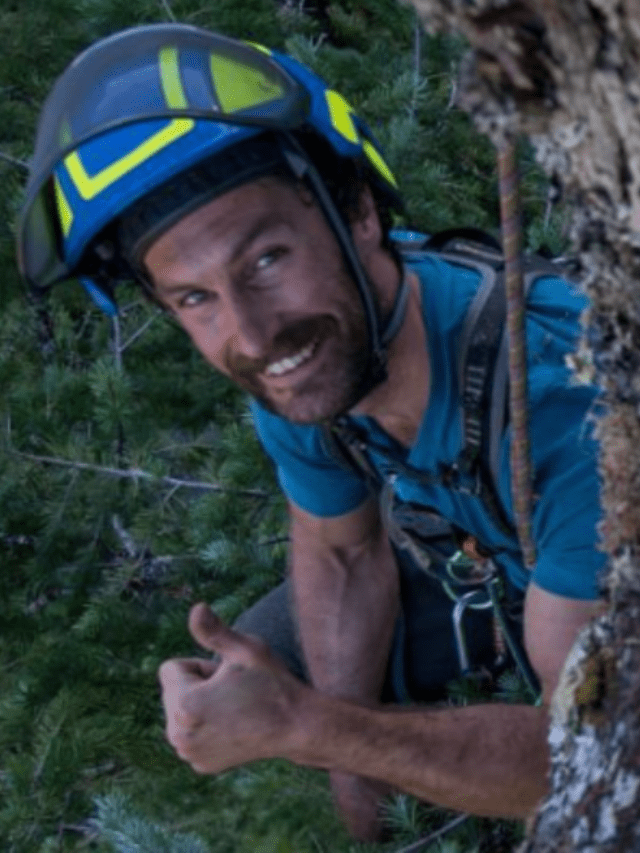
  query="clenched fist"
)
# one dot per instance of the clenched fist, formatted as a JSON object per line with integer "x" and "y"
{"x": 242, "y": 707}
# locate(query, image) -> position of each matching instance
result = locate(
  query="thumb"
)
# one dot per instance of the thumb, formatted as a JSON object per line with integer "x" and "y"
{"x": 211, "y": 633}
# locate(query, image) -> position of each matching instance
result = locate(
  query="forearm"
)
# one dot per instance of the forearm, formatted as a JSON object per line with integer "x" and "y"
{"x": 346, "y": 603}
{"x": 489, "y": 760}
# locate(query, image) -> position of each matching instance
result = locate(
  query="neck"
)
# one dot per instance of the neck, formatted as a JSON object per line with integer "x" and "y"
{"x": 398, "y": 404}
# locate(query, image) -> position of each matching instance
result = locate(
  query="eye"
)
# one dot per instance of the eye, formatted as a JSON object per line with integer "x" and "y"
{"x": 268, "y": 258}
{"x": 193, "y": 298}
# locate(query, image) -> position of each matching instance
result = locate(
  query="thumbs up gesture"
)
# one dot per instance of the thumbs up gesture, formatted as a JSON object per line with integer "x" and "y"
{"x": 240, "y": 708}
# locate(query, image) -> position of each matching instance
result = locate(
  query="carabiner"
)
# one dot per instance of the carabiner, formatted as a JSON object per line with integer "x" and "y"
{"x": 463, "y": 603}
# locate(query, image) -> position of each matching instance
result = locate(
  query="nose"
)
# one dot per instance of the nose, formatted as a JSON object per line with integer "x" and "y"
{"x": 249, "y": 326}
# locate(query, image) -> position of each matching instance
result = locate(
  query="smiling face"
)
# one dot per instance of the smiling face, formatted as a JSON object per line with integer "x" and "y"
{"x": 257, "y": 280}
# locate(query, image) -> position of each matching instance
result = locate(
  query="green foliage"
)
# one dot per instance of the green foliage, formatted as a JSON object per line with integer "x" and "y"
{"x": 131, "y": 483}
{"x": 130, "y": 833}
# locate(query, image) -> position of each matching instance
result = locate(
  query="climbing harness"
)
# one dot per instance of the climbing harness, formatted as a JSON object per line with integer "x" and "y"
{"x": 472, "y": 582}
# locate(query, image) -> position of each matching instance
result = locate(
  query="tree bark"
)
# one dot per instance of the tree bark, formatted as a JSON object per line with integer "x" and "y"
{"x": 567, "y": 74}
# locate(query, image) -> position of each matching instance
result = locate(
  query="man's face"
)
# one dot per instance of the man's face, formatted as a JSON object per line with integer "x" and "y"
{"x": 257, "y": 280}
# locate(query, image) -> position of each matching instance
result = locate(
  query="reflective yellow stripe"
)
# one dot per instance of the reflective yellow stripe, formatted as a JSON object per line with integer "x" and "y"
{"x": 238, "y": 86}
{"x": 90, "y": 185}
{"x": 377, "y": 161}
{"x": 259, "y": 47}
{"x": 340, "y": 113}
{"x": 64, "y": 209}
{"x": 170, "y": 78}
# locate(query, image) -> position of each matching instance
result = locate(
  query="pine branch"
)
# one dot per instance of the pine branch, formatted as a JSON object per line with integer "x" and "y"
{"x": 423, "y": 843}
{"x": 137, "y": 474}
{"x": 117, "y": 343}
{"x": 168, "y": 10}
{"x": 14, "y": 161}
{"x": 90, "y": 836}
{"x": 417, "y": 36}
{"x": 139, "y": 331}
{"x": 453, "y": 93}
{"x": 126, "y": 539}
{"x": 273, "y": 540}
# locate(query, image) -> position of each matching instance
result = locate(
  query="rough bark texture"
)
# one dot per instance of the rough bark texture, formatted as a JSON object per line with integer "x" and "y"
{"x": 567, "y": 73}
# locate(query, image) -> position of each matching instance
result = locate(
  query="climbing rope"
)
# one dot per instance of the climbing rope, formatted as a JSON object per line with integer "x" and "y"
{"x": 521, "y": 473}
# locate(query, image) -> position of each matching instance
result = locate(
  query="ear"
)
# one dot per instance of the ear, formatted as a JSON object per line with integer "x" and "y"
{"x": 365, "y": 224}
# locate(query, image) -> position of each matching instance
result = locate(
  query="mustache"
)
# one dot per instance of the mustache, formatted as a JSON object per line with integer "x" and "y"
{"x": 288, "y": 340}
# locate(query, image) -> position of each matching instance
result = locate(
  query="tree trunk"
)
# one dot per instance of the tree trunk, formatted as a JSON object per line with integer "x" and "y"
{"x": 568, "y": 75}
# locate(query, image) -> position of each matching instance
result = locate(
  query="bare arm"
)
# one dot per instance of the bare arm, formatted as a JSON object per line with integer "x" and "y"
{"x": 346, "y": 593}
{"x": 487, "y": 759}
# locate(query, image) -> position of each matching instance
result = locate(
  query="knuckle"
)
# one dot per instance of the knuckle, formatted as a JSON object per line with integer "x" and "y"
{"x": 166, "y": 672}
{"x": 256, "y": 648}
{"x": 183, "y": 743}
{"x": 181, "y": 737}
{"x": 172, "y": 736}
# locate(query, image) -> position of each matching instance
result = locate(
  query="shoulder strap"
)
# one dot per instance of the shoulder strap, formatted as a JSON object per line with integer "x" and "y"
{"x": 479, "y": 344}
{"x": 483, "y": 365}
{"x": 347, "y": 445}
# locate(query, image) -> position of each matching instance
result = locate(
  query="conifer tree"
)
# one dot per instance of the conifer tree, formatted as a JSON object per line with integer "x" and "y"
{"x": 566, "y": 74}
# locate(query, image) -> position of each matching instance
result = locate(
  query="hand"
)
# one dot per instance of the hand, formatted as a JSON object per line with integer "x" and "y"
{"x": 359, "y": 800}
{"x": 226, "y": 713}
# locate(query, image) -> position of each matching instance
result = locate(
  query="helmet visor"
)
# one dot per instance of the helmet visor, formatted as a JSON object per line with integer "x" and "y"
{"x": 148, "y": 74}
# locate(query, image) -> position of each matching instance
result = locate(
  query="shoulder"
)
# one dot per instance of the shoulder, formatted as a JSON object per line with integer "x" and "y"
{"x": 277, "y": 434}
{"x": 309, "y": 475}
{"x": 442, "y": 277}
{"x": 554, "y": 309}
{"x": 446, "y": 292}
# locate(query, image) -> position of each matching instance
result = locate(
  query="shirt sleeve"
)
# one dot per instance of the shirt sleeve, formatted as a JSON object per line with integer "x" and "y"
{"x": 307, "y": 474}
{"x": 567, "y": 510}
{"x": 564, "y": 452}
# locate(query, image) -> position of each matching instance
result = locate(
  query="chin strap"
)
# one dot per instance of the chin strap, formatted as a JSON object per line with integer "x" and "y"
{"x": 100, "y": 296}
{"x": 398, "y": 311}
{"x": 380, "y": 333}
{"x": 302, "y": 168}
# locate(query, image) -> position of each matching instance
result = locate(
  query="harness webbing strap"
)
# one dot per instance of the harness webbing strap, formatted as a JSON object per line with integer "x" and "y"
{"x": 479, "y": 344}
{"x": 396, "y": 318}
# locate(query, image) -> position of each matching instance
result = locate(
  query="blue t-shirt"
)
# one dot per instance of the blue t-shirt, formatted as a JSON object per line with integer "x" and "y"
{"x": 563, "y": 451}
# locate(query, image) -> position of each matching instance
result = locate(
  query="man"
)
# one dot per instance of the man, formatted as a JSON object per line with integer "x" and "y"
{"x": 254, "y": 206}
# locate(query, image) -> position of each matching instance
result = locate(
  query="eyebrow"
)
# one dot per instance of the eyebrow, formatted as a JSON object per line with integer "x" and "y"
{"x": 265, "y": 222}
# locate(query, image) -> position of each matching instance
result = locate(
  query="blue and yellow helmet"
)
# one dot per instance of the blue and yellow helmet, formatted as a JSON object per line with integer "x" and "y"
{"x": 144, "y": 106}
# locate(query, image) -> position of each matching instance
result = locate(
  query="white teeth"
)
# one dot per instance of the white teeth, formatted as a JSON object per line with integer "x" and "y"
{"x": 278, "y": 368}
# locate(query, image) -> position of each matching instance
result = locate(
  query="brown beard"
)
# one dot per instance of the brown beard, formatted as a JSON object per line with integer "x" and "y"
{"x": 323, "y": 397}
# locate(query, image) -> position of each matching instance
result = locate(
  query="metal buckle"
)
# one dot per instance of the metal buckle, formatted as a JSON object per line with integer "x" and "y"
{"x": 464, "y": 571}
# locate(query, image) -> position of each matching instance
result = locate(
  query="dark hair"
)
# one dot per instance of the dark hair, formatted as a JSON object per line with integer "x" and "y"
{"x": 345, "y": 178}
